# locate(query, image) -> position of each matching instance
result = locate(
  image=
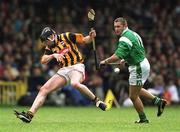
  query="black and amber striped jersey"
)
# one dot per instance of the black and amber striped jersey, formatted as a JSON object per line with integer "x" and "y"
{"x": 67, "y": 43}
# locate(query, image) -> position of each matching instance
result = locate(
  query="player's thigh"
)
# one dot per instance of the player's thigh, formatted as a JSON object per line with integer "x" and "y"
{"x": 134, "y": 91}
{"x": 54, "y": 82}
{"x": 76, "y": 76}
{"x": 139, "y": 73}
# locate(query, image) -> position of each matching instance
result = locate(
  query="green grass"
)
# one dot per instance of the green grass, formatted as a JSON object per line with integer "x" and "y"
{"x": 90, "y": 119}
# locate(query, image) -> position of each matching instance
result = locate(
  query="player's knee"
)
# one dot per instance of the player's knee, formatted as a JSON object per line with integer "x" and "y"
{"x": 75, "y": 84}
{"x": 133, "y": 97}
{"x": 44, "y": 90}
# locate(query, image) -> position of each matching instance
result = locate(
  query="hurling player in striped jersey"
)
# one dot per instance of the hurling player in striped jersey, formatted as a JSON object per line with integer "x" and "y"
{"x": 63, "y": 48}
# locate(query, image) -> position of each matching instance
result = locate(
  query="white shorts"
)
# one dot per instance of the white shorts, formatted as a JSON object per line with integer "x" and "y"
{"x": 65, "y": 71}
{"x": 139, "y": 73}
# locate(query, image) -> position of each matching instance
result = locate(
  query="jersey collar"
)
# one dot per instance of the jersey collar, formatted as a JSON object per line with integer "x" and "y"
{"x": 124, "y": 31}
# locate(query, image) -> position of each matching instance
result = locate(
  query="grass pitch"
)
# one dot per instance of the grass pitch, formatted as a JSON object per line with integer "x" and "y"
{"x": 90, "y": 119}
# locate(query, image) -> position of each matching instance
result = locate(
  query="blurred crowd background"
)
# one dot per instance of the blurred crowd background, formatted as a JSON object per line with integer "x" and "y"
{"x": 157, "y": 21}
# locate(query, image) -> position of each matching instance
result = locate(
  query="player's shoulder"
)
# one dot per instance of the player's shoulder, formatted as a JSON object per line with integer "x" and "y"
{"x": 125, "y": 40}
{"x": 126, "y": 37}
{"x": 63, "y": 33}
{"x": 129, "y": 34}
{"x": 67, "y": 34}
{"x": 70, "y": 33}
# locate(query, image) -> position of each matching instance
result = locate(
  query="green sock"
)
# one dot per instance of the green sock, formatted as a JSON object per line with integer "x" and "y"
{"x": 156, "y": 101}
{"x": 142, "y": 116}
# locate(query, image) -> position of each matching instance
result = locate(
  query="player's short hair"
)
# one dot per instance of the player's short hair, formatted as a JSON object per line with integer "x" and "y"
{"x": 122, "y": 20}
{"x": 46, "y": 32}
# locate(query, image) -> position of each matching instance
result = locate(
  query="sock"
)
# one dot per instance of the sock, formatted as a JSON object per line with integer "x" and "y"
{"x": 95, "y": 99}
{"x": 30, "y": 114}
{"x": 156, "y": 101}
{"x": 142, "y": 116}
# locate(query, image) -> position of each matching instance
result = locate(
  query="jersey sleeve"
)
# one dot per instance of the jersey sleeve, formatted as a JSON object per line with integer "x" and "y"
{"x": 72, "y": 37}
{"x": 122, "y": 50}
{"x": 76, "y": 38}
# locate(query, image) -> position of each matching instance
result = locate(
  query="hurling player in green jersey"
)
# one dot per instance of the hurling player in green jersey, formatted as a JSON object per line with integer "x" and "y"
{"x": 130, "y": 50}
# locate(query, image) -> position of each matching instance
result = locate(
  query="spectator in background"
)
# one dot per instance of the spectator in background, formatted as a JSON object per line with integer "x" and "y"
{"x": 95, "y": 82}
{"x": 35, "y": 82}
{"x": 172, "y": 89}
{"x": 37, "y": 79}
{"x": 178, "y": 87}
{"x": 158, "y": 88}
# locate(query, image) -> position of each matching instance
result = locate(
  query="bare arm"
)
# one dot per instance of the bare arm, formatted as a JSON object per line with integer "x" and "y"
{"x": 46, "y": 59}
{"x": 87, "y": 39}
{"x": 111, "y": 59}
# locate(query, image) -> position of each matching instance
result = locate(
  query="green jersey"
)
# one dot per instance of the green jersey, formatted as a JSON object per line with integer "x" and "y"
{"x": 130, "y": 47}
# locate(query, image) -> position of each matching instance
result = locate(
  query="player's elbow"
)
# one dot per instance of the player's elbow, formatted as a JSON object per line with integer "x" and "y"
{"x": 43, "y": 61}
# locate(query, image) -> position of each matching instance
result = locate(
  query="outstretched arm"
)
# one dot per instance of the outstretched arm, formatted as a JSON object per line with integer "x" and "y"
{"x": 87, "y": 39}
{"x": 47, "y": 58}
{"x": 114, "y": 60}
{"x": 111, "y": 59}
